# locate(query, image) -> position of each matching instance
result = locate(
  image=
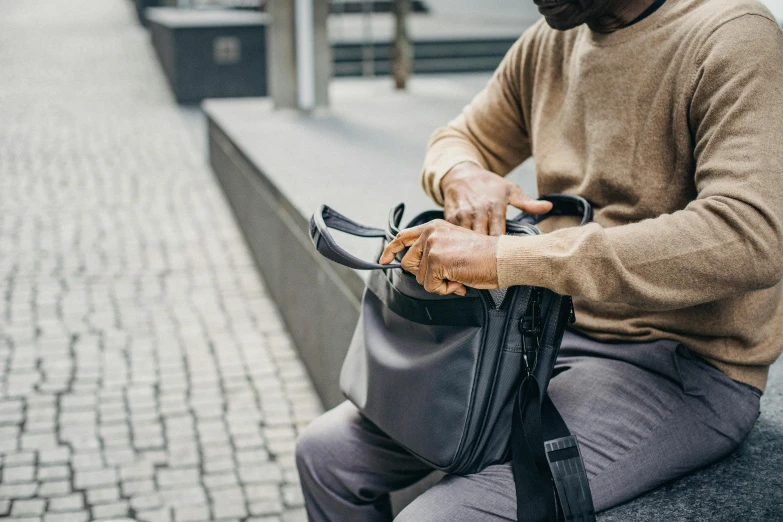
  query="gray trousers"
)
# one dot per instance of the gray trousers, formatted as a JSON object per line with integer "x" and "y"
{"x": 644, "y": 414}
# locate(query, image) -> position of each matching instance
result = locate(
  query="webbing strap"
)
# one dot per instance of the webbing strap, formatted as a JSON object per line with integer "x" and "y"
{"x": 549, "y": 475}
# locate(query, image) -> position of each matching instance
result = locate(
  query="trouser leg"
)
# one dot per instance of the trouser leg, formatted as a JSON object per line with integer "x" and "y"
{"x": 644, "y": 414}
{"x": 347, "y": 468}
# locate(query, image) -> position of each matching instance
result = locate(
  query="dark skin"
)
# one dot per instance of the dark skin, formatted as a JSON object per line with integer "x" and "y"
{"x": 447, "y": 256}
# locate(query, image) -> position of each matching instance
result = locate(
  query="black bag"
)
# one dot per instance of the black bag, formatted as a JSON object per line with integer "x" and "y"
{"x": 460, "y": 382}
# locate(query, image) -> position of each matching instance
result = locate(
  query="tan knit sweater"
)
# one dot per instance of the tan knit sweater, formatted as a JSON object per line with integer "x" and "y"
{"x": 673, "y": 128}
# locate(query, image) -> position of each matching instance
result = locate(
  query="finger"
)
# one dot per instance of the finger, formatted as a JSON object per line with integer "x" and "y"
{"x": 411, "y": 261}
{"x": 450, "y": 214}
{"x": 424, "y": 262}
{"x": 519, "y": 198}
{"x": 481, "y": 222}
{"x": 453, "y": 287}
{"x": 433, "y": 279}
{"x": 497, "y": 220}
{"x": 464, "y": 218}
{"x": 403, "y": 240}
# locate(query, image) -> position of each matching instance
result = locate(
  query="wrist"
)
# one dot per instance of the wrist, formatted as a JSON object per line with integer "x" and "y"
{"x": 460, "y": 172}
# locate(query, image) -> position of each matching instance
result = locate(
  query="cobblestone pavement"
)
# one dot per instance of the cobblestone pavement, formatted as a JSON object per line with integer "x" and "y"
{"x": 144, "y": 371}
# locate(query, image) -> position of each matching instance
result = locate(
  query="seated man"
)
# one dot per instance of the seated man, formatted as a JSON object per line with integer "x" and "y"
{"x": 668, "y": 117}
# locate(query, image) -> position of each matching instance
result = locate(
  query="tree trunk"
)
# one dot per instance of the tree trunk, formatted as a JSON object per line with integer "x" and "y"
{"x": 403, "y": 50}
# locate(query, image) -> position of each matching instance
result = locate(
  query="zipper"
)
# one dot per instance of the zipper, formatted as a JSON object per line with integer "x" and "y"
{"x": 530, "y": 327}
{"x": 571, "y": 311}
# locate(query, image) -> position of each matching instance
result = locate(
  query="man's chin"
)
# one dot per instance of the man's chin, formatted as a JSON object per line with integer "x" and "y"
{"x": 560, "y": 24}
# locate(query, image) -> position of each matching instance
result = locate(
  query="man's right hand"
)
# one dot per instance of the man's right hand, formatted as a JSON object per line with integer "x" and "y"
{"x": 476, "y": 198}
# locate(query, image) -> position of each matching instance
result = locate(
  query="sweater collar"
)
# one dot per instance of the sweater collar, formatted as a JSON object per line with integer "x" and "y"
{"x": 653, "y": 20}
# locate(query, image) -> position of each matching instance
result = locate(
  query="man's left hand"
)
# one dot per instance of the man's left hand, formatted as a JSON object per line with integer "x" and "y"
{"x": 446, "y": 258}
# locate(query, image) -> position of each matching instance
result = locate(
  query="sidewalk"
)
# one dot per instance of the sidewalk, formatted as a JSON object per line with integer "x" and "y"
{"x": 144, "y": 371}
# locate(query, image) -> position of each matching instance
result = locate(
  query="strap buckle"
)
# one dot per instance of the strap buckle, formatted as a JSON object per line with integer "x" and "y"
{"x": 571, "y": 484}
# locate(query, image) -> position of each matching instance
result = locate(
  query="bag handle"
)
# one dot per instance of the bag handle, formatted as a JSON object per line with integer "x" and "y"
{"x": 562, "y": 205}
{"x": 327, "y": 218}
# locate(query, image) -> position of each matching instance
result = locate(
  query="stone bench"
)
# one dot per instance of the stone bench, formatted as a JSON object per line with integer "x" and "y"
{"x": 210, "y": 53}
{"x": 363, "y": 157}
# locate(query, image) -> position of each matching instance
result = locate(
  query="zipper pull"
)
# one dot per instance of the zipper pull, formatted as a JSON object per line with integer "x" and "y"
{"x": 571, "y": 311}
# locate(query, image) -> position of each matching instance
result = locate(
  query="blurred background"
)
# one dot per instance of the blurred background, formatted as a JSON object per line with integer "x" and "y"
{"x": 166, "y": 328}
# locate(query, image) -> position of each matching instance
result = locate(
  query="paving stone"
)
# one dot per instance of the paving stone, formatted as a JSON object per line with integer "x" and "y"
{"x": 229, "y": 502}
{"x": 32, "y": 507}
{"x": 154, "y": 515}
{"x": 16, "y": 491}
{"x": 167, "y": 478}
{"x": 116, "y": 456}
{"x": 103, "y": 495}
{"x": 133, "y": 487}
{"x": 75, "y": 516}
{"x": 219, "y": 480}
{"x": 16, "y": 474}
{"x": 55, "y": 488}
{"x": 58, "y": 455}
{"x": 292, "y": 495}
{"x": 252, "y": 456}
{"x": 93, "y": 478}
{"x": 87, "y": 460}
{"x": 72, "y": 502}
{"x": 266, "y": 507}
{"x": 268, "y": 472}
{"x": 146, "y": 501}
{"x": 196, "y": 513}
{"x": 295, "y": 515}
{"x": 46, "y": 473}
{"x": 111, "y": 510}
{"x": 137, "y": 471}
{"x": 184, "y": 496}
{"x": 219, "y": 465}
{"x": 20, "y": 458}
{"x": 5, "y": 507}
{"x": 255, "y": 492}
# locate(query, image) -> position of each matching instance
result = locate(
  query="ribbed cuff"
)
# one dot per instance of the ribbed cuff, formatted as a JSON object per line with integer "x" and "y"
{"x": 521, "y": 260}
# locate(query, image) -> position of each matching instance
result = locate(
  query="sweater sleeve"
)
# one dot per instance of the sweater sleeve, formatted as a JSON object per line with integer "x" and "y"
{"x": 726, "y": 241}
{"x": 489, "y": 132}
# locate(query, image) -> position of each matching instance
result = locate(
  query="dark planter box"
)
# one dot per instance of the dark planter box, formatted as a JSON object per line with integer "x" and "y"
{"x": 141, "y": 7}
{"x": 210, "y": 53}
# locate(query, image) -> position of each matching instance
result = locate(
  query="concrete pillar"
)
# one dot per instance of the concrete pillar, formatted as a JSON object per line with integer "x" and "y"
{"x": 300, "y": 63}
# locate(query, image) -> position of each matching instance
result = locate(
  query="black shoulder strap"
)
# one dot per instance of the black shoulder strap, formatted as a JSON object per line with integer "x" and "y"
{"x": 549, "y": 475}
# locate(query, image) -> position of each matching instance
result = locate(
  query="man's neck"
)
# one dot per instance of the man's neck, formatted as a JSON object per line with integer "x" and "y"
{"x": 619, "y": 14}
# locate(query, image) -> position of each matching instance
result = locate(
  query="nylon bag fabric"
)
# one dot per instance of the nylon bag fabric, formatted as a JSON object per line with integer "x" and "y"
{"x": 460, "y": 382}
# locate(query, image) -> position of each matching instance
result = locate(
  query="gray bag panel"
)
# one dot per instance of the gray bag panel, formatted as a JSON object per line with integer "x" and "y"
{"x": 401, "y": 374}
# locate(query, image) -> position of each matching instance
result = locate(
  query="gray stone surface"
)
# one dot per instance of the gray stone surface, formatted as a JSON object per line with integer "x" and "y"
{"x": 138, "y": 346}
